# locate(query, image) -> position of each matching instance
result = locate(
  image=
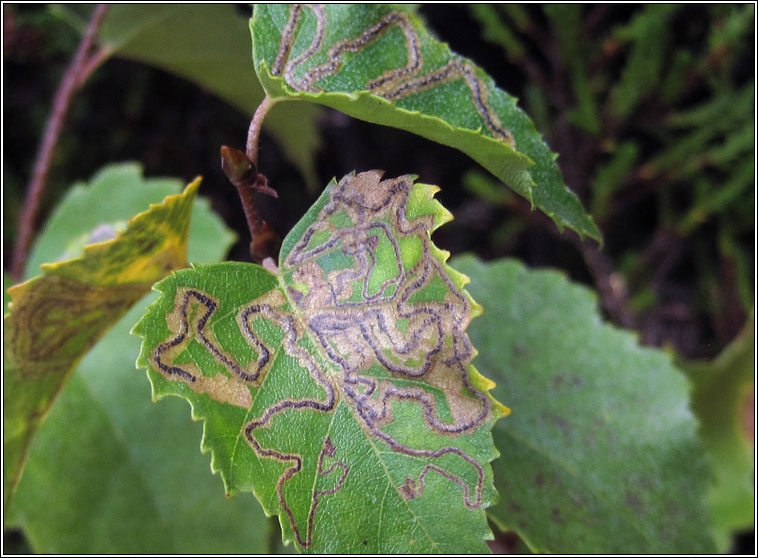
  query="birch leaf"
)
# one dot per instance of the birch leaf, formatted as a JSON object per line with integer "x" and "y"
{"x": 339, "y": 388}
{"x": 380, "y": 64}
{"x": 601, "y": 454}
{"x": 57, "y": 317}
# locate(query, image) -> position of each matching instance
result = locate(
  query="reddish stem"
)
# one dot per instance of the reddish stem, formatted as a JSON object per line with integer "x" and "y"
{"x": 241, "y": 172}
{"x": 254, "y": 131}
{"x": 92, "y": 63}
{"x": 82, "y": 65}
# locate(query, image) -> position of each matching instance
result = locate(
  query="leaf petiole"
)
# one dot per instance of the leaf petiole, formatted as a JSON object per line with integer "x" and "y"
{"x": 254, "y": 131}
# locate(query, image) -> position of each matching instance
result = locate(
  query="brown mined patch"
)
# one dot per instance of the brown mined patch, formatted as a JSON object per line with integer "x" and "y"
{"x": 224, "y": 389}
{"x": 195, "y": 325}
{"x": 274, "y": 298}
{"x": 539, "y": 480}
{"x": 318, "y": 294}
{"x": 356, "y": 334}
{"x": 367, "y": 185}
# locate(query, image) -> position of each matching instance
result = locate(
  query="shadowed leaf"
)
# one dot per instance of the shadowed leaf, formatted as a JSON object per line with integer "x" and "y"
{"x": 209, "y": 45}
{"x": 339, "y": 387}
{"x": 723, "y": 400}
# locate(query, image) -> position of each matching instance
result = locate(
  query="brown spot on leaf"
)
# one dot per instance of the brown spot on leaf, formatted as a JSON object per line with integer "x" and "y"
{"x": 567, "y": 381}
{"x": 560, "y": 422}
{"x": 514, "y": 506}
{"x": 519, "y": 351}
{"x": 224, "y": 389}
{"x": 556, "y": 516}
{"x": 633, "y": 501}
{"x": 539, "y": 480}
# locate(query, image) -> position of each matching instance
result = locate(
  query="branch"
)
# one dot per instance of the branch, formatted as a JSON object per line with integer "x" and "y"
{"x": 610, "y": 285}
{"x": 81, "y": 66}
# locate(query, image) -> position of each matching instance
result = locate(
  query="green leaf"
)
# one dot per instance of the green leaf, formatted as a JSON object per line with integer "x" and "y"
{"x": 338, "y": 388}
{"x": 723, "y": 400}
{"x": 57, "y": 317}
{"x": 600, "y": 454}
{"x": 209, "y": 45}
{"x": 380, "y": 64}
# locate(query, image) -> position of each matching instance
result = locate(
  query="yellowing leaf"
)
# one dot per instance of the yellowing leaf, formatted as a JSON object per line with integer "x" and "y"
{"x": 56, "y": 318}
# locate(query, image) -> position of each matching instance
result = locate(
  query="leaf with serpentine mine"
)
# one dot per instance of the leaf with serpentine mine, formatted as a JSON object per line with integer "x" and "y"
{"x": 339, "y": 387}
{"x": 380, "y": 64}
{"x": 57, "y": 317}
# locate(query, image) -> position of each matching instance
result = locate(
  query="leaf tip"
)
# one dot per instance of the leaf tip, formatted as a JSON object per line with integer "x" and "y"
{"x": 500, "y": 409}
{"x": 486, "y": 385}
{"x": 476, "y": 309}
{"x": 193, "y": 186}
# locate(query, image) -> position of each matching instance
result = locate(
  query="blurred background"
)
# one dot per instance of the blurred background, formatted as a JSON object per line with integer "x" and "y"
{"x": 650, "y": 108}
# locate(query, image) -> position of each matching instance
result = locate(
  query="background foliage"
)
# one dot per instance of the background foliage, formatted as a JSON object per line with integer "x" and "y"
{"x": 649, "y": 107}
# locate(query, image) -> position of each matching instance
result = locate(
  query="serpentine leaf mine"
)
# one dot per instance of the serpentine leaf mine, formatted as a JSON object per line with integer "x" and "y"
{"x": 393, "y": 84}
{"x": 56, "y": 318}
{"x": 380, "y": 64}
{"x": 339, "y": 388}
